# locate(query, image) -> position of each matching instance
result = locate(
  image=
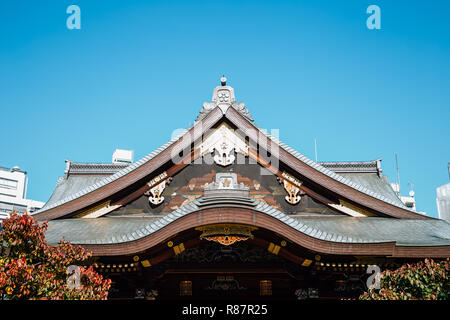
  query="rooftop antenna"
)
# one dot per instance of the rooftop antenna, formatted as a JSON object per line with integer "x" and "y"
{"x": 398, "y": 173}
{"x": 315, "y": 147}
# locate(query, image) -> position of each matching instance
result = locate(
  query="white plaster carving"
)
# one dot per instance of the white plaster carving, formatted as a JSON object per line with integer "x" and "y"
{"x": 224, "y": 142}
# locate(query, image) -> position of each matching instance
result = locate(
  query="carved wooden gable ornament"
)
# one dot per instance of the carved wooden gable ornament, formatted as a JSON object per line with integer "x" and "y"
{"x": 223, "y": 143}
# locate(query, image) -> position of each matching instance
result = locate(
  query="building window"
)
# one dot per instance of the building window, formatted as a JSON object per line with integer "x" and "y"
{"x": 186, "y": 288}
{"x": 265, "y": 288}
{"x": 7, "y": 195}
{"x": 8, "y": 184}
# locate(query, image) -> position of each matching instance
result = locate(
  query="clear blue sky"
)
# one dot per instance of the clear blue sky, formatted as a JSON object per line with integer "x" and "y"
{"x": 139, "y": 69}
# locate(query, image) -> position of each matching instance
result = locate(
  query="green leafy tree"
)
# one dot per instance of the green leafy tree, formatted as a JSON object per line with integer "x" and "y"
{"x": 32, "y": 269}
{"x": 425, "y": 280}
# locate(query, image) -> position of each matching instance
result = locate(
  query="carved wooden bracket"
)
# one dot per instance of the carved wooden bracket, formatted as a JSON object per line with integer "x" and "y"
{"x": 157, "y": 186}
{"x": 292, "y": 186}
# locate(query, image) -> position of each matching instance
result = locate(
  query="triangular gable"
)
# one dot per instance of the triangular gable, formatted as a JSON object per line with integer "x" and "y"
{"x": 352, "y": 197}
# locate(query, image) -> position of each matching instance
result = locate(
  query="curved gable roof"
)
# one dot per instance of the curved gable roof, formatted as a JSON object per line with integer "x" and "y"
{"x": 122, "y": 178}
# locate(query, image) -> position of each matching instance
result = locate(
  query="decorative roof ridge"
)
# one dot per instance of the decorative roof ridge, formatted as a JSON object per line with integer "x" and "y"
{"x": 89, "y": 164}
{"x": 93, "y": 168}
{"x": 373, "y": 166}
{"x": 363, "y": 163}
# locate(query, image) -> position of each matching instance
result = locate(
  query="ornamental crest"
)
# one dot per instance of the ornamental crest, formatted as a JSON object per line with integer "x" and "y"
{"x": 157, "y": 186}
{"x": 226, "y": 234}
{"x": 292, "y": 186}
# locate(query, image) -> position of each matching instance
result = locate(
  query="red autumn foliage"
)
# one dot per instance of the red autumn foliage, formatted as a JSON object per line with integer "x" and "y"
{"x": 425, "y": 280}
{"x": 32, "y": 269}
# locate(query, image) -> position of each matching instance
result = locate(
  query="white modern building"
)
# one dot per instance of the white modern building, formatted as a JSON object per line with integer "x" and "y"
{"x": 443, "y": 199}
{"x": 122, "y": 156}
{"x": 13, "y": 192}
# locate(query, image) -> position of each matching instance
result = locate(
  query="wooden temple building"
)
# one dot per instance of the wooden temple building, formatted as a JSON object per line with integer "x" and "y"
{"x": 227, "y": 210}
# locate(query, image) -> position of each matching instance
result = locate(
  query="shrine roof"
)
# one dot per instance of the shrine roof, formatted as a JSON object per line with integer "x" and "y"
{"x": 95, "y": 176}
{"x": 341, "y": 229}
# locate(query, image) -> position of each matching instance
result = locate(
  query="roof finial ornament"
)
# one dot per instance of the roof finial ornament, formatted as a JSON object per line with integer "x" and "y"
{"x": 223, "y": 97}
